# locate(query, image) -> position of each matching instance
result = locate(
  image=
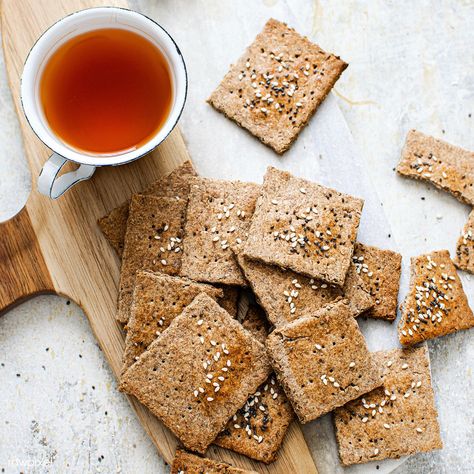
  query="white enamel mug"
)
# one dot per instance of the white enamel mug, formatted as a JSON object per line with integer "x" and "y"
{"x": 49, "y": 183}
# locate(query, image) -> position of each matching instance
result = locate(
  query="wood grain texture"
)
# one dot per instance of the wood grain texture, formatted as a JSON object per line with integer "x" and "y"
{"x": 56, "y": 246}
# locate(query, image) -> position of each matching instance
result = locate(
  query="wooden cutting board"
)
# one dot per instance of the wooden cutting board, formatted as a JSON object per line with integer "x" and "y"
{"x": 56, "y": 246}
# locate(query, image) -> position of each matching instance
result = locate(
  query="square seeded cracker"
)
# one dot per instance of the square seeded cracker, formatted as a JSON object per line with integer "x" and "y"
{"x": 218, "y": 216}
{"x": 395, "y": 420}
{"x": 187, "y": 463}
{"x": 380, "y": 270}
{"x": 436, "y": 304}
{"x": 157, "y": 300}
{"x": 322, "y": 361}
{"x": 152, "y": 240}
{"x": 464, "y": 258}
{"x": 257, "y": 430}
{"x": 198, "y": 373}
{"x": 174, "y": 185}
{"x": 446, "y": 166}
{"x": 277, "y": 85}
{"x": 286, "y": 295}
{"x": 304, "y": 227}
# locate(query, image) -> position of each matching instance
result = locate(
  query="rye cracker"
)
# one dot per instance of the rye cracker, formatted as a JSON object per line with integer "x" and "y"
{"x": 436, "y": 304}
{"x": 153, "y": 242}
{"x": 464, "y": 258}
{"x": 218, "y": 216}
{"x": 380, "y": 270}
{"x": 304, "y": 227}
{"x": 446, "y": 166}
{"x": 174, "y": 185}
{"x": 286, "y": 295}
{"x": 395, "y": 420}
{"x": 187, "y": 463}
{"x": 258, "y": 428}
{"x": 277, "y": 85}
{"x": 198, "y": 373}
{"x": 157, "y": 300}
{"x": 322, "y": 361}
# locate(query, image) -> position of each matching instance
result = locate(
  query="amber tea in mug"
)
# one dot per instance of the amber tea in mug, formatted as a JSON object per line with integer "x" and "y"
{"x": 107, "y": 91}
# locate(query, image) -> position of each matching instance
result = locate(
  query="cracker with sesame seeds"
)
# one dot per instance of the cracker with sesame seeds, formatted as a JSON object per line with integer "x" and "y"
{"x": 304, "y": 227}
{"x": 187, "y": 463}
{"x": 436, "y": 304}
{"x": 446, "y": 166}
{"x": 286, "y": 295}
{"x": 322, "y": 361}
{"x": 277, "y": 85}
{"x": 380, "y": 270}
{"x": 198, "y": 373}
{"x": 174, "y": 185}
{"x": 257, "y": 430}
{"x": 218, "y": 216}
{"x": 153, "y": 241}
{"x": 464, "y": 258}
{"x": 395, "y": 420}
{"x": 157, "y": 300}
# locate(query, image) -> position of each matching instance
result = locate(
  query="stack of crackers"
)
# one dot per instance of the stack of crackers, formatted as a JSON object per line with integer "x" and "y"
{"x": 192, "y": 247}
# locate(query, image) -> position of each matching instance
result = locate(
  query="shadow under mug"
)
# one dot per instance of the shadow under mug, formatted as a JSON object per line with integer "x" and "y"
{"x": 49, "y": 183}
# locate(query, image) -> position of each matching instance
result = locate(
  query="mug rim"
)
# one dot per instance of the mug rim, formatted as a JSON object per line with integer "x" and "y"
{"x": 110, "y": 159}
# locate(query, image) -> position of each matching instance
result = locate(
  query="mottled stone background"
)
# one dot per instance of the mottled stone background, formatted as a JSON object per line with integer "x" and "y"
{"x": 411, "y": 65}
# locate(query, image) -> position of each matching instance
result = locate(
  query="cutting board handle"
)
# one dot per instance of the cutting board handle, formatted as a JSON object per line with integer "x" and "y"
{"x": 23, "y": 271}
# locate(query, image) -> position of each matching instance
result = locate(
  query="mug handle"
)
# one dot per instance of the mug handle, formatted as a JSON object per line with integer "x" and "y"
{"x": 53, "y": 186}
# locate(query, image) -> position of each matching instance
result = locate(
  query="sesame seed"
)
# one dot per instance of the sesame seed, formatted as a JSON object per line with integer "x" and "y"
{"x": 419, "y": 430}
{"x": 352, "y": 364}
{"x": 405, "y": 366}
{"x": 210, "y": 399}
{"x": 163, "y": 262}
{"x": 386, "y": 426}
{"x": 376, "y": 451}
{"x": 200, "y": 322}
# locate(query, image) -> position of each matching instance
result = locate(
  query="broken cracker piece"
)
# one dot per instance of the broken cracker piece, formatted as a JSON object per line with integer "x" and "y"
{"x": 230, "y": 299}
{"x": 380, "y": 270}
{"x": 464, "y": 258}
{"x": 395, "y": 420}
{"x": 198, "y": 373}
{"x": 436, "y": 304}
{"x": 446, "y": 166}
{"x": 277, "y": 85}
{"x": 304, "y": 227}
{"x": 322, "y": 361}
